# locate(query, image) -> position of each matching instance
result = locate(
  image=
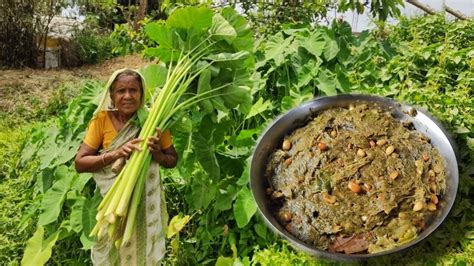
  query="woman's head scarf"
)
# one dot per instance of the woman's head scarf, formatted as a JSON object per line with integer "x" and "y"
{"x": 105, "y": 103}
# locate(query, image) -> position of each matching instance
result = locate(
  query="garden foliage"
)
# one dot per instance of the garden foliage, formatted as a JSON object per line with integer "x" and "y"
{"x": 412, "y": 62}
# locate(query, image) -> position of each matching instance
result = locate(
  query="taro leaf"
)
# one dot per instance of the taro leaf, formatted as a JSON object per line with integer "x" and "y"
{"x": 203, "y": 191}
{"x": 332, "y": 48}
{"x": 342, "y": 82}
{"x": 54, "y": 197}
{"x": 159, "y": 33}
{"x": 38, "y": 251}
{"x": 221, "y": 29}
{"x": 244, "y": 207}
{"x": 183, "y": 144}
{"x": 234, "y": 95}
{"x": 245, "y": 177}
{"x": 177, "y": 224}
{"x": 204, "y": 85}
{"x": 308, "y": 72}
{"x": 314, "y": 44}
{"x": 89, "y": 211}
{"x": 276, "y": 48}
{"x": 197, "y": 18}
{"x": 228, "y": 57}
{"x": 76, "y": 214}
{"x": 259, "y": 107}
{"x": 164, "y": 54}
{"x": 261, "y": 230}
{"x": 155, "y": 76}
{"x": 183, "y": 124}
{"x": 67, "y": 152}
{"x": 29, "y": 213}
{"x": 225, "y": 197}
{"x": 79, "y": 181}
{"x": 327, "y": 85}
{"x": 205, "y": 153}
{"x": 244, "y": 40}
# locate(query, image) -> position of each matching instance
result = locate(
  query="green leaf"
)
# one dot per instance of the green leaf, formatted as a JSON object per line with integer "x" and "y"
{"x": 245, "y": 177}
{"x": 54, "y": 197}
{"x": 155, "y": 76}
{"x": 276, "y": 48}
{"x": 227, "y": 57}
{"x": 203, "y": 191}
{"x": 176, "y": 224}
{"x": 76, "y": 214}
{"x": 261, "y": 230}
{"x": 162, "y": 53}
{"x": 225, "y": 198}
{"x": 159, "y": 33}
{"x": 244, "y": 40}
{"x": 80, "y": 181}
{"x": 244, "y": 207}
{"x": 259, "y": 107}
{"x": 332, "y": 48}
{"x": 222, "y": 30}
{"x": 38, "y": 251}
{"x": 327, "y": 84}
{"x": 198, "y": 18}
{"x": 342, "y": 82}
{"x": 204, "y": 85}
{"x": 89, "y": 211}
{"x": 206, "y": 154}
{"x": 314, "y": 44}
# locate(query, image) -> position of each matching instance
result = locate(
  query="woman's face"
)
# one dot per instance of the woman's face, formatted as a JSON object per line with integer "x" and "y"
{"x": 126, "y": 95}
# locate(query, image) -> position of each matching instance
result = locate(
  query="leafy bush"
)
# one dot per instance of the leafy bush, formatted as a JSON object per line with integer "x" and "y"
{"x": 94, "y": 44}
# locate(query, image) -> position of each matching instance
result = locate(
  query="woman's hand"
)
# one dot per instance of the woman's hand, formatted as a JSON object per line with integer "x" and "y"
{"x": 165, "y": 157}
{"x": 154, "y": 144}
{"x": 127, "y": 149}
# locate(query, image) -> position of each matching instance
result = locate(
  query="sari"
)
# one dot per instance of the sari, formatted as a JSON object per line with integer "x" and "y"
{"x": 147, "y": 244}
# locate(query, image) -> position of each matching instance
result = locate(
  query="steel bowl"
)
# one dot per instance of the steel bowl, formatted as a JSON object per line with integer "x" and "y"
{"x": 273, "y": 136}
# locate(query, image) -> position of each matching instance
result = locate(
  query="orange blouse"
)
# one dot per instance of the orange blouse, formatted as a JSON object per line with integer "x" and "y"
{"x": 101, "y": 132}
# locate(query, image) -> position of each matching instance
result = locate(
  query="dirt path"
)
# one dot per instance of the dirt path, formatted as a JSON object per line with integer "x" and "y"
{"x": 19, "y": 86}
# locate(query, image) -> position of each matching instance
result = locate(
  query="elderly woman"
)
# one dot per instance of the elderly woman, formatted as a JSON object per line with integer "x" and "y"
{"x": 110, "y": 140}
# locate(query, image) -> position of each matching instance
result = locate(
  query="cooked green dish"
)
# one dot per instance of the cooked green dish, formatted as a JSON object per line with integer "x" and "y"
{"x": 355, "y": 180}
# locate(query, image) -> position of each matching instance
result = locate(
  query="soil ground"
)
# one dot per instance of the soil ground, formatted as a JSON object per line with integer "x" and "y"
{"x": 20, "y": 86}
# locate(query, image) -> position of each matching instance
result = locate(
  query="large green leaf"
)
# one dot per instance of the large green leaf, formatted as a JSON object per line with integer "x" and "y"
{"x": 221, "y": 29}
{"x": 38, "y": 251}
{"x": 155, "y": 76}
{"x": 244, "y": 207}
{"x": 89, "y": 211}
{"x": 203, "y": 191}
{"x": 54, "y": 197}
{"x": 159, "y": 33}
{"x": 259, "y": 107}
{"x": 204, "y": 85}
{"x": 276, "y": 48}
{"x": 314, "y": 44}
{"x": 76, "y": 214}
{"x": 244, "y": 40}
{"x": 327, "y": 83}
{"x": 198, "y": 18}
{"x": 205, "y": 153}
{"x": 225, "y": 197}
{"x": 332, "y": 48}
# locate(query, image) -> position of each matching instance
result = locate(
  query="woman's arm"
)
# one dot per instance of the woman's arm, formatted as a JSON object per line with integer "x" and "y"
{"x": 89, "y": 160}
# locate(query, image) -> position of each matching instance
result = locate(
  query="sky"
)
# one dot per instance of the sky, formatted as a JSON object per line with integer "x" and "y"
{"x": 363, "y": 21}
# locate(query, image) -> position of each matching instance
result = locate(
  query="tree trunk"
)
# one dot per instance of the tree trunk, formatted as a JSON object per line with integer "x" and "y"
{"x": 140, "y": 14}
